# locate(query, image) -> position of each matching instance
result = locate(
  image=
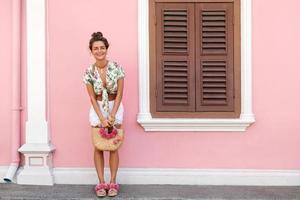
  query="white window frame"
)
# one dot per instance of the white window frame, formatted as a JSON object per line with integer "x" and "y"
{"x": 195, "y": 124}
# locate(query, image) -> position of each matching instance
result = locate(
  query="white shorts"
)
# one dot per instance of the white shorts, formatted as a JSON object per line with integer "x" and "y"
{"x": 94, "y": 120}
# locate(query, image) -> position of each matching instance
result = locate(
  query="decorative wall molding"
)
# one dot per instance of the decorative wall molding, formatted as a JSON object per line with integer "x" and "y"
{"x": 177, "y": 124}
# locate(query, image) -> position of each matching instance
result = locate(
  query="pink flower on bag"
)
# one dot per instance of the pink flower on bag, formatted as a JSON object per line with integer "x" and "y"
{"x": 108, "y": 135}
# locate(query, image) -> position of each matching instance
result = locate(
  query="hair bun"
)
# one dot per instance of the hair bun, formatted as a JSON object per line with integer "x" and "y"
{"x": 97, "y": 35}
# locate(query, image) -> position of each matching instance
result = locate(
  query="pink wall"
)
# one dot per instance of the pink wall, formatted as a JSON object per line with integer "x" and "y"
{"x": 70, "y": 28}
{"x": 5, "y": 80}
{"x": 276, "y": 91}
{"x": 272, "y": 142}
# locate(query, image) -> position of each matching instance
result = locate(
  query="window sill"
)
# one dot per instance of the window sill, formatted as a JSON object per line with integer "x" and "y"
{"x": 192, "y": 124}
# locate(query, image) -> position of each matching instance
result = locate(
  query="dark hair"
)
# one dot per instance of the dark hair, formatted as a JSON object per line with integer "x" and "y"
{"x": 98, "y": 36}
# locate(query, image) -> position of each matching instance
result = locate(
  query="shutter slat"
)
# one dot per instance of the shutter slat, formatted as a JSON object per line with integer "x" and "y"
{"x": 173, "y": 101}
{"x": 175, "y": 12}
{"x": 175, "y": 79}
{"x": 213, "y": 18}
{"x": 211, "y": 74}
{"x": 175, "y": 40}
{"x": 212, "y": 102}
{"x": 173, "y": 74}
{"x": 213, "y": 85}
{"x": 176, "y": 18}
{"x": 176, "y": 23}
{"x": 214, "y": 69}
{"x": 214, "y": 96}
{"x": 182, "y": 35}
{"x": 176, "y": 70}
{"x": 175, "y": 96}
{"x": 175, "y": 29}
{"x": 214, "y": 90}
{"x": 176, "y": 90}
{"x": 175, "y": 85}
{"x": 213, "y": 34}
{"x": 213, "y": 29}
{"x": 212, "y": 23}
{"x": 214, "y": 40}
{"x": 211, "y": 45}
{"x": 176, "y": 63}
{"x": 175, "y": 45}
{"x": 175, "y": 50}
{"x": 213, "y": 13}
{"x": 214, "y": 79}
{"x": 214, "y": 63}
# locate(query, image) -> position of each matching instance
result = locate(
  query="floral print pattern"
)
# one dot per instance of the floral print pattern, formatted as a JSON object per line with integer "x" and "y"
{"x": 114, "y": 72}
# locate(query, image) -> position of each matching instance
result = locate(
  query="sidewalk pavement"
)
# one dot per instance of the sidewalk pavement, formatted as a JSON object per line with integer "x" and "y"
{"x": 165, "y": 192}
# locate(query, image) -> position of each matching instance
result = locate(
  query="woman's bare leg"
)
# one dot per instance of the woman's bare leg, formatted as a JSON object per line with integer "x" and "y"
{"x": 114, "y": 162}
{"x": 99, "y": 164}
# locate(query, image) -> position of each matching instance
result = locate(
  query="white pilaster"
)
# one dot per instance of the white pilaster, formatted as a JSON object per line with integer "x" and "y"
{"x": 143, "y": 51}
{"x": 246, "y": 60}
{"x": 37, "y": 149}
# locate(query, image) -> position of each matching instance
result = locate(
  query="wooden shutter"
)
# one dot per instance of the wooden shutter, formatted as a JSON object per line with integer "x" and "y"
{"x": 214, "y": 57}
{"x": 175, "y": 57}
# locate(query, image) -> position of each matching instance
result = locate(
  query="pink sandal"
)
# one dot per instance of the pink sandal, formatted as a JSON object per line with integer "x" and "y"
{"x": 113, "y": 189}
{"x": 100, "y": 189}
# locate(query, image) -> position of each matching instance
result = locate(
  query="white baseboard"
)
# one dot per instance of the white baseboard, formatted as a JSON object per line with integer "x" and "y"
{"x": 178, "y": 176}
{"x": 182, "y": 176}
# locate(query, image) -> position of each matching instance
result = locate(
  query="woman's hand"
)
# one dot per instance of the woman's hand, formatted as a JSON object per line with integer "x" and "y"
{"x": 105, "y": 123}
{"x": 111, "y": 119}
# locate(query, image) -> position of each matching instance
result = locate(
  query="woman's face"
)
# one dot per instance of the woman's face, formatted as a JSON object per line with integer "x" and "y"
{"x": 99, "y": 50}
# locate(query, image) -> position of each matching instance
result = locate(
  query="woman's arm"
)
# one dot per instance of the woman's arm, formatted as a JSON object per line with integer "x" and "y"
{"x": 119, "y": 96}
{"x": 95, "y": 105}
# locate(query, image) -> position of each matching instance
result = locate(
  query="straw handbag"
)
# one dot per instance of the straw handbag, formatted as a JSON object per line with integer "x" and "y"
{"x": 105, "y": 140}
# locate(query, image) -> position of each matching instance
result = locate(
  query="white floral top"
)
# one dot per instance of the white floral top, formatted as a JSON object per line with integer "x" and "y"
{"x": 113, "y": 73}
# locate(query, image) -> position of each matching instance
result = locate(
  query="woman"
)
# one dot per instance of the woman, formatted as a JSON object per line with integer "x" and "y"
{"x": 104, "y": 82}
